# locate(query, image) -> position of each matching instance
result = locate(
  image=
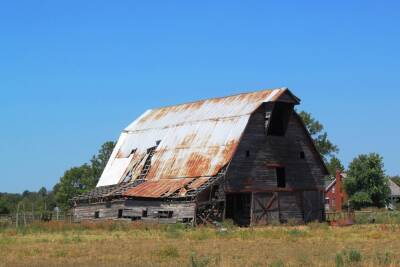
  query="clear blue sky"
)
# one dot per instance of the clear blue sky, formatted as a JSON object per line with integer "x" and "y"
{"x": 73, "y": 74}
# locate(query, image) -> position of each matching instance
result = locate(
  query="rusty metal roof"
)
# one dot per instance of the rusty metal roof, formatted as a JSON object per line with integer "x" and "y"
{"x": 156, "y": 189}
{"x": 193, "y": 140}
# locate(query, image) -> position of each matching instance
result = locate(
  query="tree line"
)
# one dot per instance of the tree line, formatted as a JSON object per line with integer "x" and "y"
{"x": 75, "y": 181}
{"x": 366, "y": 182}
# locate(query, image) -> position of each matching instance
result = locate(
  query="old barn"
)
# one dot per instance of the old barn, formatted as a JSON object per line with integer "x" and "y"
{"x": 246, "y": 157}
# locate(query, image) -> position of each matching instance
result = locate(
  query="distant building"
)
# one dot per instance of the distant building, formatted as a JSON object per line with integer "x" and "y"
{"x": 335, "y": 196}
{"x": 247, "y": 157}
{"x": 394, "y": 192}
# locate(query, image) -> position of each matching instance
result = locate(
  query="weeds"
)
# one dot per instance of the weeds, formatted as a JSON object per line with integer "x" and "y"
{"x": 196, "y": 261}
{"x": 349, "y": 257}
{"x": 278, "y": 263}
{"x": 169, "y": 252}
{"x": 384, "y": 259}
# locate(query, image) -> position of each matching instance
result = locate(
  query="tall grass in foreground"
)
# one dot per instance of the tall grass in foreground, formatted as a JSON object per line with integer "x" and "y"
{"x": 136, "y": 244}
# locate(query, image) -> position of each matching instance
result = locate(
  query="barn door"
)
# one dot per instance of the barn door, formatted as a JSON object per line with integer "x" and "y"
{"x": 291, "y": 207}
{"x": 265, "y": 208}
{"x": 313, "y": 203}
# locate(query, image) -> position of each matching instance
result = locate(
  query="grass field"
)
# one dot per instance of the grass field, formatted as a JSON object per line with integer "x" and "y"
{"x": 109, "y": 244}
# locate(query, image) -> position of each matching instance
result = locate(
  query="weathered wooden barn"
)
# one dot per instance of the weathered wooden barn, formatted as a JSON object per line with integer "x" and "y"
{"x": 246, "y": 157}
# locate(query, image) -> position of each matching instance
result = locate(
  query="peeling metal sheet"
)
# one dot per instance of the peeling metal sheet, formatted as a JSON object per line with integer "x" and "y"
{"x": 198, "y": 182}
{"x": 195, "y": 139}
{"x": 156, "y": 189}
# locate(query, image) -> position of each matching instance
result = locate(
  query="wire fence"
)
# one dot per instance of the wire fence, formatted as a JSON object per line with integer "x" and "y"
{"x": 26, "y": 218}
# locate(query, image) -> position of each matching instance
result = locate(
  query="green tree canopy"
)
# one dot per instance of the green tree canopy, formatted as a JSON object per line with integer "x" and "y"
{"x": 333, "y": 165}
{"x": 78, "y": 180}
{"x": 366, "y": 183}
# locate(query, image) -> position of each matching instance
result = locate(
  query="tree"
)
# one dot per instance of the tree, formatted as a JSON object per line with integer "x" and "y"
{"x": 79, "y": 180}
{"x": 333, "y": 165}
{"x": 324, "y": 146}
{"x": 75, "y": 181}
{"x": 99, "y": 161}
{"x": 366, "y": 184}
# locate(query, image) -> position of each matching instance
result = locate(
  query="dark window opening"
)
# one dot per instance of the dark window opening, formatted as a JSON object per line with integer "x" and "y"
{"x": 238, "y": 208}
{"x": 136, "y": 218}
{"x": 279, "y": 120}
{"x": 214, "y": 192}
{"x": 248, "y": 154}
{"x": 165, "y": 214}
{"x": 144, "y": 213}
{"x": 108, "y": 204}
{"x": 280, "y": 176}
{"x": 302, "y": 155}
{"x": 97, "y": 214}
{"x": 120, "y": 213}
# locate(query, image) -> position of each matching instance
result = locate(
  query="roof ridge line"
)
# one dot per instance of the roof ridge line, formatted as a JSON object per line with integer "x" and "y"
{"x": 220, "y": 97}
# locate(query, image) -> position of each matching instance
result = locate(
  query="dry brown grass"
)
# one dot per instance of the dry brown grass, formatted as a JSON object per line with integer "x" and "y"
{"x": 142, "y": 245}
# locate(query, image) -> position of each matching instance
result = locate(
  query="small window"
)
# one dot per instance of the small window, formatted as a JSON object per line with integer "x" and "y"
{"x": 97, "y": 214}
{"x": 144, "y": 213}
{"x": 302, "y": 155}
{"x": 281, "y": 177}
{"x": 327, "y": 201}
{"x": 108, "y": 204}
{"x": 120, "y": 213}
{"x": 248, "y": 154}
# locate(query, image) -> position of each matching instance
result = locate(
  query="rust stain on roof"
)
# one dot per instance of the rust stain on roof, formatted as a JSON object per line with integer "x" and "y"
{"x": 198, "y": 164}
{"x": 157, "y": 189}
{"x": 198, "y": 182}
{"x": 192, "y": 140}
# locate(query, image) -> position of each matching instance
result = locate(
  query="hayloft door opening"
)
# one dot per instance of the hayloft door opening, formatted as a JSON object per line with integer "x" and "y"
{"x": 238, "y": 208}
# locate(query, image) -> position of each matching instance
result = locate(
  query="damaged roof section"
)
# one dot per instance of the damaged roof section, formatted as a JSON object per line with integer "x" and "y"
{"x": 189, "y": 141}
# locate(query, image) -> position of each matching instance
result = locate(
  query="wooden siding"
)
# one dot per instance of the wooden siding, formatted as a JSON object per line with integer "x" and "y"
{"x": 253, "y": 169}
{"x": 135, "y": 209}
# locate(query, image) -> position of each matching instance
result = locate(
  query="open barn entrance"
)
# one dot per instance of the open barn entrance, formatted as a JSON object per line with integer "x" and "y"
{"x": 238, "y": 208}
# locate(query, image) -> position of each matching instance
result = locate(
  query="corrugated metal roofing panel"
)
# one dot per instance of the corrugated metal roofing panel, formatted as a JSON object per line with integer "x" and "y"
{"x": 194, "y": 140}
{"x": 156, "y": 189}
